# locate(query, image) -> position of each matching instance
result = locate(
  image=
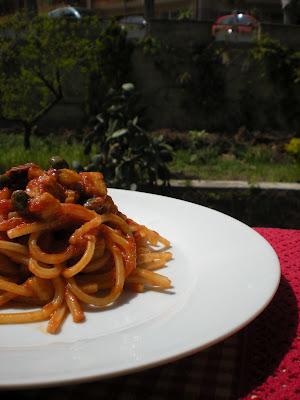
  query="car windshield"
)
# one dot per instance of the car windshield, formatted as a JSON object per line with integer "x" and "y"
{"x": 236, "y": 19}
{"x": 71, "y": 12}
{"x": 244, "y": 19}
{"x": 228, "y": 20}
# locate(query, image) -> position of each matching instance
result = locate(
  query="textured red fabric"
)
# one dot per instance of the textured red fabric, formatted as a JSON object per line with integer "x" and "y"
{"x": 271, "y": 360}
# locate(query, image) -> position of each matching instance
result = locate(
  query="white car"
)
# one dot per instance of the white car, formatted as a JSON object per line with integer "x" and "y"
{"x": 69, "y": 12}
{"x": 135, "y": 25}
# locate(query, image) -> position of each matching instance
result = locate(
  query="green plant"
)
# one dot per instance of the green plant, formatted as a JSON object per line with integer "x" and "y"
{"x": 197, "y": 71}
{"x": 126, "y": 154}
{"x": 151, "y": 46}
{"x": 185, "y": 14}
{"x": 203, "y": 147}
{"x": 270, "y": 71}
{"x": 293, "y": 147}
{"x": 198, "y": 138}
{"x": 41, "y": 56}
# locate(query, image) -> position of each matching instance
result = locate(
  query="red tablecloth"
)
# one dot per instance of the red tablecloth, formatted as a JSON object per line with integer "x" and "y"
{"x": 260, "y": 362}
{"x": 271, "y": 357}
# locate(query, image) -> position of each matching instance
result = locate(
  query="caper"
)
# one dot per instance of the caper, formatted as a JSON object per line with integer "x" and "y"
{"x": 96, "y": 204}
{"x": 91, "y": 204}
{"x": 58, "y": 162}
{"x": 4, "y": 181}
{"x": 19, "y": 200}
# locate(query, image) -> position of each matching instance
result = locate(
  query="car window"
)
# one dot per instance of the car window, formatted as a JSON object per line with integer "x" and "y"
{"x": 244, "y": 19}
{"x": 56, "y": 13}
{"x": 229, "y": 20}
{"x": 236, "y": 19}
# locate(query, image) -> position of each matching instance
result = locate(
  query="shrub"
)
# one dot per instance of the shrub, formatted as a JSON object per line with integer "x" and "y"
{"x": 293, "y": 147}
{"x": 126, "y": 154}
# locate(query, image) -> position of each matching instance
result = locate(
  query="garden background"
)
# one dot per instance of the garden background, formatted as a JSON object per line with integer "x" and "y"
{"x": 152, "y": 111}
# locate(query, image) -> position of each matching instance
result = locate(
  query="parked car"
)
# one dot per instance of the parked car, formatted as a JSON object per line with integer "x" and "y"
{"x": 236, "y": 27}
{"x": 136, "y": 26}
{"x": 69, "y": 12}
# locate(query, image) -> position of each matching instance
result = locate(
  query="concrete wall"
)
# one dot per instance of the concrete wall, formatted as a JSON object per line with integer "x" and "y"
{"x": 163, "y": 96}
{"x": 289, "y": 35}
{"x": 186, "y": 33}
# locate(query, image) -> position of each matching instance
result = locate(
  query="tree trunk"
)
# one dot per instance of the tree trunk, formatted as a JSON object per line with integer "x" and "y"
{"x": 27, "y": 134}
{"x": 149, "y": 8}
{"x": 290, "y": 13}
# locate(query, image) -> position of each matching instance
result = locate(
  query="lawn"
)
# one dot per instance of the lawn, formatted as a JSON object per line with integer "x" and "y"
{"x": 227, "y": 167}
{"x": 253, "y": 164}
{"x": 13, "y": 153}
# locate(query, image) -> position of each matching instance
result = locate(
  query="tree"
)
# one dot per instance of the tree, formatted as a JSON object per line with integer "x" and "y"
{"x": 289, "y": 8}
{"x": 149, "y": 9}
{"x": 38, "y": 56}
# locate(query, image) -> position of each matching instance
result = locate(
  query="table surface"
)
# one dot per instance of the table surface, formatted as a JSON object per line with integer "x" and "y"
{"x": 260, "y": 362}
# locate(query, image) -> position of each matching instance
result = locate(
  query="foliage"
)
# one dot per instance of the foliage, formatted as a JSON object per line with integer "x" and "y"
{"x": 105, "y": 57}
{"x": 185, "y": 14}
{"x": 273, "y": 67}
{"x": 126, "y": 154}
{"x": 35, "y": 60}
{"x": 293, "y": 147}
{"x": 196, "y": 71}
{"x": 254, "y": 164}
{"x": 296, "y": 70}
{"x": 207, "y": 86}
{"x": 39, "y": 59}
{"x": 151, "y": 46}
{"x": 265, "y": 95}
{"x": 202, "y": 148}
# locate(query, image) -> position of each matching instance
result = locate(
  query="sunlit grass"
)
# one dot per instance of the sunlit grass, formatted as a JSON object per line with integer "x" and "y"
{"x": 13, "y": 152}
{"x": 255, "y": 164}
{"x": 245, "y": 167}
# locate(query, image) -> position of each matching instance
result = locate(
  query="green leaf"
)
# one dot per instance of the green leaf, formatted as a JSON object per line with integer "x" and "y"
{"x": 119, "y": 133}
{"x": 128, "y": 87}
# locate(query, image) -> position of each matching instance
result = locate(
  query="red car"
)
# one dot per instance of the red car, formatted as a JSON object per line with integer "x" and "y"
{"x": 236, "y": 23}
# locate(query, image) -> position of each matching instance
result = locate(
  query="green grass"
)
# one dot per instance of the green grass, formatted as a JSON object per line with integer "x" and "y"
{"x": 12, "y": 151}
{"x": 253, "y": 164}
{"x": 249, "y": 166}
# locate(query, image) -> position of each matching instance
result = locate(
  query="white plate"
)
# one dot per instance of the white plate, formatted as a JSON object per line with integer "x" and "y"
{"x": 224, "y": 274}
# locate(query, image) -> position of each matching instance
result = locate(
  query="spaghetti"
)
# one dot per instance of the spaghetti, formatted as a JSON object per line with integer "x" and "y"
{"x": 65, "y": 245}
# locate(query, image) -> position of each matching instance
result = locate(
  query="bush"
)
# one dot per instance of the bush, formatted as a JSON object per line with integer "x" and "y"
{"x": 126, "y": 154}
{"x": 293, "y": 147}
